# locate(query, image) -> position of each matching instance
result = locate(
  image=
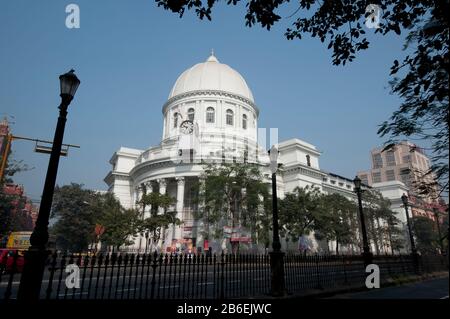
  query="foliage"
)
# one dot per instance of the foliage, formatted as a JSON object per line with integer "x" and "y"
{"x": 160, "y": 216}
{"x": 382, "y": 224}
{"x": 299, "y": 211}
{"x": 424, "y": 112}
{"x": 119, "y": 223}
{"x": 335, "y": 220}
{"x": 75, "y": 217}
{"x": 234, "y": 195}
{"x": 426, "y": 236}
{"x": 77, "y": 211}
{"x": 11, "y": 216}
{"x": 423, "y": 85}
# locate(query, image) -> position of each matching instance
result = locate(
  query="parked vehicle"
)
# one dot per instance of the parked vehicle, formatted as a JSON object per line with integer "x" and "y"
{"x": 7, "y": 263}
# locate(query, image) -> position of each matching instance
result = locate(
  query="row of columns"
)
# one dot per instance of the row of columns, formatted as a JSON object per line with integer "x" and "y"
{"x": 147, "y": 187}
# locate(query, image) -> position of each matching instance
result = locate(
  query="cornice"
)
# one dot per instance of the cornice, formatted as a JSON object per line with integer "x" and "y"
{"x": 209, "y": 93}
{"x": 305, "y": 170}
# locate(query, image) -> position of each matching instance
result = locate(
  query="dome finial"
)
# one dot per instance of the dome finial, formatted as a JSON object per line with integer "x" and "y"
{"x": 212, "y": 57}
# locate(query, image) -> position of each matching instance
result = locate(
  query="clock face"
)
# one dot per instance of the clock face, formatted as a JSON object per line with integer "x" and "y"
{"x": 187, "y": 127}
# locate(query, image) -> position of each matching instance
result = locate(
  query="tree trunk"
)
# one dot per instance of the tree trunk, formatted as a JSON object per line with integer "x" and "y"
{"x": 374, "y": 236}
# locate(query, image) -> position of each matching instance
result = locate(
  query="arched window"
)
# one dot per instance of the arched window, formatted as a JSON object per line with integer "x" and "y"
{"x": 229, "y": 117}
{"x": 210, "y": 115}
{"x": 191, "y": 114}
{"x": 175, "y": 119}
{"x": 244, "y": 122}
{"x": 308, "y": 160}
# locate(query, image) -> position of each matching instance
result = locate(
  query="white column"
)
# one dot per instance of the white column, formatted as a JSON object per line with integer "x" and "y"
{"x": 201, "y": 206}
{"x": 162, "y": 190}
{"x": 148, "y": 190}
{"x": 138, "y": 196}
{"x": 139, "y": 193}
{"x": 180, "y": 205}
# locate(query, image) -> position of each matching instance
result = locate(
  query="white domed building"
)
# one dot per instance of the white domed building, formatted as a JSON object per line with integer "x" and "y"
{"x": 211, "y": 115}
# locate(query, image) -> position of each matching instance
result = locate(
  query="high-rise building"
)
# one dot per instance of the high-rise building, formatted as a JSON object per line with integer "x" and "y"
{"x": 407, "y": 163}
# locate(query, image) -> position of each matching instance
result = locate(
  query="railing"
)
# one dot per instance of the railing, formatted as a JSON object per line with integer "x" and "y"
{"x": 201, "y": 276}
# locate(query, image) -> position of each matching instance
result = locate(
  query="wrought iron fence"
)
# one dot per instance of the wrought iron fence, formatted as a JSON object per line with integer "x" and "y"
{"x": 199, "y": 276}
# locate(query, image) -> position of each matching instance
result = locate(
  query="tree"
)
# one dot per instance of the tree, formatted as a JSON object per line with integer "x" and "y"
{"x": 423, "y": 85}
{"x": 74, "y": 217}
{"x": 160, "y": 216}
{"x": 300, "y": 211}
{"x": 425, "y": 234}
{"x": 119, "y": 224}
{"x": 383, "y": 227}
{"x": 334, "y": 223}
{"x": 234, "y": 196}
{"x": 12, "y": 217}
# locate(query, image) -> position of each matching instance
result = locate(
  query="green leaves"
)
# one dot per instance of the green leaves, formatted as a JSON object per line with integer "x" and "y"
{"x": 77, "y": 211}
{"x": 299, "y": 211}
{"x": 426, "y": 235}
{"x": 336, "y": 221}
{"x": 234, "y": 194}
{"x": 160, "y": 216}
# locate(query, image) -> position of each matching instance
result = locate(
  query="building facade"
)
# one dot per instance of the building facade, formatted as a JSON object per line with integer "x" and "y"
{"x": 407, "y": 163}
{"x": 211, "y": 115}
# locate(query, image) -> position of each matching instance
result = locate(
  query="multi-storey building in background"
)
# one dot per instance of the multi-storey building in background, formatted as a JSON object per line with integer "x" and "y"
{"x": 23, "y": 212}
{"x": 407, "y": 163}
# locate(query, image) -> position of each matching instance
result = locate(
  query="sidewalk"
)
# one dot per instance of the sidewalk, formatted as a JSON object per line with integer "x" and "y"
{"x": 427, "y": 289}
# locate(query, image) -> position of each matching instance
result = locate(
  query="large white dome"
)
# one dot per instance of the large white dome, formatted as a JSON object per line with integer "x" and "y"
{"x": 211, "y": 75}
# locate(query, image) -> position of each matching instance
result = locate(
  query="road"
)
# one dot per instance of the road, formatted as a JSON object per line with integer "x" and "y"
{"x": 238, "y": 281}
{"x": 429, "y": 289}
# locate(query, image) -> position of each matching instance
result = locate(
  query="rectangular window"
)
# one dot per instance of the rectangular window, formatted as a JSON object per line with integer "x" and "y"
{"x": 377, "y": 160}
{"x": 229, "y": 118}
{"x": 376, "y": 177}
{"x": 390, "y": 175}
{"x": 364, "y": 179}
{"x": 210, "y": 117}
{"x": 390, "y": 158}
{"x": 404, "y": 176}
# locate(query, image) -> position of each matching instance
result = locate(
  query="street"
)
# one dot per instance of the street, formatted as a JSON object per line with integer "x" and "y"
{"x": 237, "y": 281}
{"x": 429, "y": 289}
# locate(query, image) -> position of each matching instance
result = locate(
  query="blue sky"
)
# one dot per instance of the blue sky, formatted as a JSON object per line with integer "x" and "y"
{"x": 128, "y": 55}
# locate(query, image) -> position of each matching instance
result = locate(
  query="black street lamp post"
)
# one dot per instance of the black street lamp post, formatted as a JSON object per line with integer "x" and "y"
{"x": 276, "y": 255}
{"x": 35, "y": 257}
{"x": 367, "y": 255}
{"x": 414, "y": 254}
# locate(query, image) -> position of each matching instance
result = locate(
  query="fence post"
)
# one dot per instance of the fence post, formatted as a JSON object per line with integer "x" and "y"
{"x": 154, "y": 264}
{"x": 222, "y": 276}
{"x": 316, "y": 259}
{"x": 345, "y": 270}
{"x": 52, "y": 274}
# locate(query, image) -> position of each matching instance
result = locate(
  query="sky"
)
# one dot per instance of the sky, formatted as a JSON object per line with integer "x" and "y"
{"x": 128, "y": 55}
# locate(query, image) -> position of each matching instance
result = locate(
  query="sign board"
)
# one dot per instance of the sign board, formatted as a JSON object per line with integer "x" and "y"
{"x": 19, "y": 240}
